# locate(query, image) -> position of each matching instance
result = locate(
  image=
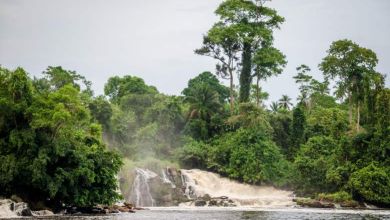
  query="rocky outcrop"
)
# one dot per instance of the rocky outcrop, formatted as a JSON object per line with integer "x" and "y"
{"x": 155, "y": 188}
{"x": 42, "y": 213}
{"x": 117, "y": 208}
{"x": 172, "y": 187}
{"x": 10, "y": 208}
{"x": 312, "y": 203}
{"x": 207, "y": 200}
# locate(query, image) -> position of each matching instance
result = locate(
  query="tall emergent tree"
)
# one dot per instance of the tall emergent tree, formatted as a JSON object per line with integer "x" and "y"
{"x": 354, "y": 69}
{"x": 245, "y": 26}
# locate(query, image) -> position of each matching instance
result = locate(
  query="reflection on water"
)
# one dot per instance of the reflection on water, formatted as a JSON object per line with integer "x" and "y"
{"x": 225, "y": 214}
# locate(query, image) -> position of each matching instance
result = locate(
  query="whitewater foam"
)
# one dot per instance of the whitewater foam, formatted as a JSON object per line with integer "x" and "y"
{"x": 199, "y": 183}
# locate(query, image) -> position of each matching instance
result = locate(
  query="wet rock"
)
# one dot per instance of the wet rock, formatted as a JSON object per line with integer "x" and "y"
{"x": 42, "y": 213}
{"x": 139, "y": 208}
{"x": 311, "y": 203}
{"x": 206, "y": 197}
{"x": 350, "y": 204}
{"x": 21, "y": 209}
{"x": 128, "y": 205}
{"x": 200, "y": 202}
{"x": 172, "y": 171}
{"x": 114, "y": 211}
{"x": 16, "y": 198}
{"x": 213, "y": 203}
{"x": 123, "y": 209}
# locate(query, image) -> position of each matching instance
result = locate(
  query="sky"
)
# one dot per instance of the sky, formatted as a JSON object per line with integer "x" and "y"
{"x": 155, "y": 39}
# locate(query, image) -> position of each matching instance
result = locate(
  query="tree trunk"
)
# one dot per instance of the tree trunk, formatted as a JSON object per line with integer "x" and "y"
{"x": 231, "y": 94}
{"x": 245, "y": 76}
{"x": 258, "y": 92}
{"x": 358, "y": 117}
{"x": 350, "y": 109}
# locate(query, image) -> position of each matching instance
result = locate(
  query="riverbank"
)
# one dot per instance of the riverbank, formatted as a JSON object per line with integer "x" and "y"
{"x": 10, "y": 208}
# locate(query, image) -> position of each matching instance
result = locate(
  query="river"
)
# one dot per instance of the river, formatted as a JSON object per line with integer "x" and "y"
{"x": 177, "y": 213}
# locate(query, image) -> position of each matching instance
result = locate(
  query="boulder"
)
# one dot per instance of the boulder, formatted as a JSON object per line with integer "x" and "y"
{"x": 200, "y": 202}
{"x": 206, "y": 197}
{"x": 213, "y": 203}
{"x": 123, "y": 209}
{"x": 16, "y": 198}
{"x": 350, "y": 204}
{"x": 128, "y": 205}
{"x": 21, "y": 209}
{"x": 311, "y": 203}
{"x": 42, "y": 213}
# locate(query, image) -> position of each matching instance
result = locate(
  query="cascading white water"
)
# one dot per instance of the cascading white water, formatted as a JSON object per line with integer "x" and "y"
{"x": 198, "y": 183}
{"x": 140, "y": 192}
{"x": 166, "y": 178}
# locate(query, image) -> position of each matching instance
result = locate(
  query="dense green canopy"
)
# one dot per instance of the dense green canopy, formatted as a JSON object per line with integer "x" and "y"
{"x": 50, "y": 150}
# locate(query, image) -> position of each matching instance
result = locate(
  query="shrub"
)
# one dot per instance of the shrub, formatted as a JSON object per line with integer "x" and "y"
{"x": 339, "y": 197}
{"x": 193, "y": 154}
{"x": 313, "y": 161}
{"x": 371, "y": 184}
{"x": 249, "y": 156}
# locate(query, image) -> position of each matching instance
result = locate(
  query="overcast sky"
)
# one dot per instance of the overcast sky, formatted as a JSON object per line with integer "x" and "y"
{"x": 155, "y": 39}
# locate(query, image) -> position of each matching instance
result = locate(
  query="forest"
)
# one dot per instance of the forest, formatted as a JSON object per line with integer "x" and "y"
{"x": 62, "y": 144}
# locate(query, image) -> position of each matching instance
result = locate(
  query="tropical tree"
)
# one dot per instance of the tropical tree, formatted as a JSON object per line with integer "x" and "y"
{"x": 267, "y": 62}
{"x": 118, "y": 87}
{"x": 309, "y": 86}
{"x": 353, "y": 68}
{"x": 59, "y": 77}
{"x": 222, "y": 47}
{"x": 204, "y": 103}
{"x": 244, "y": 27}
{"x": 258, "y": 95}
{"x": 50, "y": 152}
{"x": 274, "y": 107}
{"x": 285, "y": 102}
{"x": 298, "y": 127}
{"x": 209, "y": 79}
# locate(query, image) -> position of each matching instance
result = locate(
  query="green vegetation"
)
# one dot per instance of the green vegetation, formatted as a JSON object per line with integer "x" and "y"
{"x": 50, "y": 149}
{"x": 53, "y": 131}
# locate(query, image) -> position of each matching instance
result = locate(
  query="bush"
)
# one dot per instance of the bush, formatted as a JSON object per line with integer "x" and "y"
{"x": 330, "y": 122}
{"x": 313, "y": 161}
{"x": 371, "y": 184}
{"x": 193, "y": 154}
{"x": 49, "y": 149}
{"x": 339, "y": 197}
{"x": 248, "y": 155}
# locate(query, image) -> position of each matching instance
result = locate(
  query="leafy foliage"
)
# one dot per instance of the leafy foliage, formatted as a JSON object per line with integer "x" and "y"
{"x": 52, "y": 151}
{"x": 313, "y": 161}
{"x": 248, "y": 155}
{"x": 371, "y": 183}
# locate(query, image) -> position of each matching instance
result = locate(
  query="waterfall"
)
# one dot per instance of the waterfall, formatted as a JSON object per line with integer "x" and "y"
{"x": 198, "y": 183}
{"x": 189, "y": 185}
{"x": 165, "y": 177}
{"x": 140, "y": 192}
{"x": 171, "y": 187}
